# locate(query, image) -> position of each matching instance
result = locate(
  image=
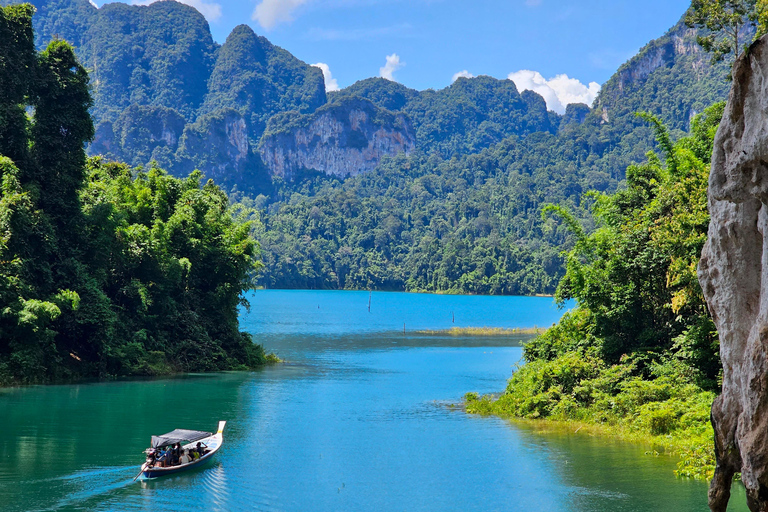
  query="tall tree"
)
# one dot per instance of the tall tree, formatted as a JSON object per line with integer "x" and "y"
{"x": 17, "y": 63}
{"x": 729, "y": 22}
{"x": 62, "y": 126}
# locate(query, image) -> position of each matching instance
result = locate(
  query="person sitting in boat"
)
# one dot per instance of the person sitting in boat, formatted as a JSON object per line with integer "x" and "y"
{"x": 184, "y": 458}
{"x": 151, "y": 457}
{"x": 201, "y": 449}
{"x": 162, "y": 458}
{"x": 173, "y": 457}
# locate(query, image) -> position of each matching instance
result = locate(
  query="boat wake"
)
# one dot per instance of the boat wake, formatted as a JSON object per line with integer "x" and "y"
{"x": 82, "y": 489}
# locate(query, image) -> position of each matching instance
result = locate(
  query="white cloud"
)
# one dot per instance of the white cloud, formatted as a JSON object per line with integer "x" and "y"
{"x": 211, "y": 10}
{"x": 331, "y": 84}
{"x": 272, "y": 12}
{"x": 392, "y": 65}
{"x": 462, "y": 74}
{"x": 93, "y": 4}
{"x": 558, "y": 91}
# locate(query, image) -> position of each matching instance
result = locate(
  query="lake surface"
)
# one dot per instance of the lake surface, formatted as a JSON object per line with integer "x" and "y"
{"x": 358, "y": 418}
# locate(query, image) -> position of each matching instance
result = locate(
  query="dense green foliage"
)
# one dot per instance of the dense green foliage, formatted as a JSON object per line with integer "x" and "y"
{"x": 468, "y": 225}
{"x": 726, "y": 22}
{"x": 104, "y": 271}
{"x": 640, "y": 350}
{"x": 504, "y": 186}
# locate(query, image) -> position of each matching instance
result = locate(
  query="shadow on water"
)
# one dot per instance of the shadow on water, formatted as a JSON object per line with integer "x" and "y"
{"x": 609, "y": 474}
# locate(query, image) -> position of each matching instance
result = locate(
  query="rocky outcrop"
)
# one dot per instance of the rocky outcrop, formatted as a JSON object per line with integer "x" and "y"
{"x": 672, "y": 64}
{"x": 341, "y": 139}
{"x": 734, "y": 276}
{"x": 217, "y": 144}
{"x": 140, "y": 134}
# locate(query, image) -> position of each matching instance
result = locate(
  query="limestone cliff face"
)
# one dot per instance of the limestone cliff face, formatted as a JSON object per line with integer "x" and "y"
{"x": 673, "y": 64}
{"x": 140, "y": 134}
{"x": 734, "y": 276}
{"x": 218, "y": 144}
{"x": 341, "y": 139}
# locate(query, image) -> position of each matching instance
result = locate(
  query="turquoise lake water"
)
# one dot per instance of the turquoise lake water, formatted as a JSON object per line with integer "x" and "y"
{"x": 358, "y": 418}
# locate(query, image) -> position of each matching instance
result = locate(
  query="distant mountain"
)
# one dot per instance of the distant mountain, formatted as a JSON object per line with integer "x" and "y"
{"x": 466, "y": 117}
{"x": 165, "y": 91}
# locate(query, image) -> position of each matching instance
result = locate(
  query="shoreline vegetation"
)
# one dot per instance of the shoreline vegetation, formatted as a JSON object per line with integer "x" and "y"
{"x": 269, "y": 360}
{"x": 106, "y": 270}
{"x": 484, "y": 331}
{"x": 638, "y": 358}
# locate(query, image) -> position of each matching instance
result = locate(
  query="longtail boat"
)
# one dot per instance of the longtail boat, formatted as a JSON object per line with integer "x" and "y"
{"x": 158, "y": 457}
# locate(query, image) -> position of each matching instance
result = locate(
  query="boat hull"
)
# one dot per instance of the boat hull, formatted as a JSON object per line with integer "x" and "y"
{"x": 158, "y": 472}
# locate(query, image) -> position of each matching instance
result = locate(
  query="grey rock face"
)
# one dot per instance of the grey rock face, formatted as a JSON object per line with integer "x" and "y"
{"x": 341, "y": 139}
{"x": 736, "y": 288}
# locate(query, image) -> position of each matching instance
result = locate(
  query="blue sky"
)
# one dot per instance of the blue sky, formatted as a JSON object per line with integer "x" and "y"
{"x": 425, "y": 43}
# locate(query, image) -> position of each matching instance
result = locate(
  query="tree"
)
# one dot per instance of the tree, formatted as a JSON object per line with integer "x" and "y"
{"x": 17, "y": 62}
{"x": 62, "y": 126}
{"x": 727, "y": 21}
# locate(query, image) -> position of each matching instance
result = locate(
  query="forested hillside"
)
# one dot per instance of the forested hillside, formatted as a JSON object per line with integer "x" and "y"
{"x": 460, "y": 212}
{"x": 104, "y": 271}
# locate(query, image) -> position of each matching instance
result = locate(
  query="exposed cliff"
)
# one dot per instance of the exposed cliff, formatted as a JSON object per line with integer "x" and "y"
{"x": 734, "y": 277}
{"x": 670, "y": 76}
{"x": 341, "y": 139}
{"x": 469, "y": 115}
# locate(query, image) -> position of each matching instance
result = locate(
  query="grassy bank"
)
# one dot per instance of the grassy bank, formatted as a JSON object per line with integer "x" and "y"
{"x": 484, "y": 331}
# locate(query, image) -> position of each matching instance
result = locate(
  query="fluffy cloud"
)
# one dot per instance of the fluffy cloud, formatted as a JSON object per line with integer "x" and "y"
{"x": 93, "y": 4}
{"x": 330, "y": 83}
{"x": 272, "y": 12}
{"x": 558, "y": 91}
{"x": 211, "y": 10}
{"x": 392, "y": 65}
{"x": 462, "y": 74}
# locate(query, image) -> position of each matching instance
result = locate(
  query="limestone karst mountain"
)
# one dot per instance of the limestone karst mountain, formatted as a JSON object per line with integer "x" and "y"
{"x": 165, "y": 91}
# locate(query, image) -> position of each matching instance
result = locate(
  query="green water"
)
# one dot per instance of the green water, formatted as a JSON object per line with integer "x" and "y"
{"x": 359, "y": 418}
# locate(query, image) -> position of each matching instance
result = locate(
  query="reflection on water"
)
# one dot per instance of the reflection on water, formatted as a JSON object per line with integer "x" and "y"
{"x": 355, "y": 421}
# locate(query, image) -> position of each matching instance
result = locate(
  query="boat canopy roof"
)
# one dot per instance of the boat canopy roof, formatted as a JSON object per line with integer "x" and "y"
{"x": 178, "y": 436}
